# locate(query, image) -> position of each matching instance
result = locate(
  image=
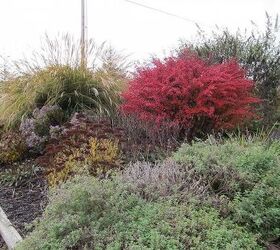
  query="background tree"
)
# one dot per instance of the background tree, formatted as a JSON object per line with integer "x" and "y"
{"x": 257, "y": 52}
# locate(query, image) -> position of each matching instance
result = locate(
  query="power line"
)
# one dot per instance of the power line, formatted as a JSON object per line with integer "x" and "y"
{"x": 163, "y": 12}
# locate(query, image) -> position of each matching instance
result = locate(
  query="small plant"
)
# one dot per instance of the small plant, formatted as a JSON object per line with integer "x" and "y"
{"x": 102, "y": 155}
{"x": 12, "y": 147}
{"x": 19, "y": 174}
{"x": 97, "y": 157}
{"x": 185, "y": 91}
{"x": 83, "y": 144}
{"x": 165, "y": 179}
{"x": 41, "y": 126}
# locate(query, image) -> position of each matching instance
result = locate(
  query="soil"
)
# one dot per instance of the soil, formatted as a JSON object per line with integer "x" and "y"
{"x": 24, "y": 202}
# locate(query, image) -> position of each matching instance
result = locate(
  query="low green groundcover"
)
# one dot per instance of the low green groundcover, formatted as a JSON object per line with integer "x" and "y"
{"x": 90, "y": 214}
{"x": 215, "y": 195}
{"x": 248, "y": 173}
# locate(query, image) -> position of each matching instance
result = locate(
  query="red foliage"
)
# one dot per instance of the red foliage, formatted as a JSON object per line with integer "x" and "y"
{"x": 188, "y": 92}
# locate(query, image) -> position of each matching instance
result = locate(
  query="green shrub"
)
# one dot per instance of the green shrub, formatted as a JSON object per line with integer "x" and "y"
{"x": 90, "y": 214}
{"x": 239, "y": 163}
{"x": 259, "y": 209}
{"x": 248, "y": 173}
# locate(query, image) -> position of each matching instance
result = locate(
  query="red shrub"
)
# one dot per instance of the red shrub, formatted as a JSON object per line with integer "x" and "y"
{"x": 187, "y": 92}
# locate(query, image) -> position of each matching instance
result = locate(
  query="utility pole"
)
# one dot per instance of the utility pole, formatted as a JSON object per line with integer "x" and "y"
{"x": 83, "y": 35}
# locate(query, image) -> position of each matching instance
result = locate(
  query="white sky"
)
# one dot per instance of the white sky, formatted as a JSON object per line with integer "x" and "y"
{"x": 136, "y": 30}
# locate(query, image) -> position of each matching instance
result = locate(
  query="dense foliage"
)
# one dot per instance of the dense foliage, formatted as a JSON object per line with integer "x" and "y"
{"x": 82, "y": 145}
{"x": 12, "y": 147}
{"x": 119, "y": 177}
{"x": 259, "y": 208}
{"x": 187, "y": 92}
{"x": 87, "y": 214}
{"x": 216, "y": 195}
{"x": 252, "y": 192}
{"x": 71, "y": 89}
{"x": 256, "y": 51}
{"x": 41, "y": 126}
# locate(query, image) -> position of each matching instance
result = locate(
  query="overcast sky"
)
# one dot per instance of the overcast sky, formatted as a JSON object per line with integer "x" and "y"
{"x": 129, "y": 27}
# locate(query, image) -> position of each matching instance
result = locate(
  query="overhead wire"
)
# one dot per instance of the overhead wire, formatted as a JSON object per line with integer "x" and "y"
{"x": 167, "y": 13}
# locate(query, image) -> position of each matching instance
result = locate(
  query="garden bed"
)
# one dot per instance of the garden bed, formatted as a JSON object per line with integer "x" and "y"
{"x": 23, "y": 203}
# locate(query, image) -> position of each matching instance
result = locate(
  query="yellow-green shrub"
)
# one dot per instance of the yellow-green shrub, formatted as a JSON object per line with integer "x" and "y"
{"x": 97, "y": 157}
{"x": 103, "y": 155}
{"x": 69, "y": 166}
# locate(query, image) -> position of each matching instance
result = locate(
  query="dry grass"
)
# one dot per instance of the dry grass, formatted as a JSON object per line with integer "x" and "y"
{"x": 53, "y": 75}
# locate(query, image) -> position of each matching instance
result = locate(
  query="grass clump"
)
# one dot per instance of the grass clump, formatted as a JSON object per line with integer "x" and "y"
{"x": 19, "y": 174}
{"x": 69, "y": 88}
{"x": 89, "y": 214}
{"x": 54, "y": 76}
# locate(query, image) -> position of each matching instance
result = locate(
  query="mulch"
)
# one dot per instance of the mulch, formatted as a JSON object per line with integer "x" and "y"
{"x": 24, "y": 203}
